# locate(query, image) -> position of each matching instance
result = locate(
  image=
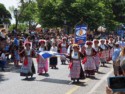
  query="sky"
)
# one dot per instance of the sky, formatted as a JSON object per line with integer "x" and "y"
{"x": 9, "y": 3}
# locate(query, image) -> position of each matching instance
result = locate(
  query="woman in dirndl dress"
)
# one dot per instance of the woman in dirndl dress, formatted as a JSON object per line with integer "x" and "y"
{"x": 90, "y": 64}
{"x": 53, "y": 60}
{"x": 28, "y": 62}
{"x": 76, "y": 71}
{"x": 42, "y": 63}
{"x": 96, "y": 56}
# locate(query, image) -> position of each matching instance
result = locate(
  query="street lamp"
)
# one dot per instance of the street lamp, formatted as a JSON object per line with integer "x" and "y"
{"x": 16, "y": 14}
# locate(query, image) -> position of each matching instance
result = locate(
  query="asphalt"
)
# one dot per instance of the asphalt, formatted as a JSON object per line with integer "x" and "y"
{"x": 55, "y": 82}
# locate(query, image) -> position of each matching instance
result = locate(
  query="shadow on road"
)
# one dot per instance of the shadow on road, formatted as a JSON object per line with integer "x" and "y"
{"x": 105, "y": 66}
{"x": 93, "y": 78}
{"x": 45, "y": 74}
{"x": 29, "y": 79}
{"x": 99, "y": 72}
{"x": 82, "y": 84}
{"x": 2, "y": 78}
{"x": 108, "y": 63}
{"x": 58, "y": 81}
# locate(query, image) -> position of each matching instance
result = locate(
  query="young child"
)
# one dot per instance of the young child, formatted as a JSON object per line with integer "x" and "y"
{"x": 16, "y": 56}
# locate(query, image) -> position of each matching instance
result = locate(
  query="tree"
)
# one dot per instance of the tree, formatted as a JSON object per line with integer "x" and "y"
{"x": 4, "y": 14}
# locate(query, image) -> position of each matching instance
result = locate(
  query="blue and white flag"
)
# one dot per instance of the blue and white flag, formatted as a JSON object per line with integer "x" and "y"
{"x": 48, "y": 54}
{"x": 80, "y": 34}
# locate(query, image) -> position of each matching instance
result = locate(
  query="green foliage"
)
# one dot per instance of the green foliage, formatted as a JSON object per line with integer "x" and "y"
{"x": 21, "y": 27}
{"x": 4, "y": 14}
{"x": 53, "y": 13}
{"x": 30, "y": 12}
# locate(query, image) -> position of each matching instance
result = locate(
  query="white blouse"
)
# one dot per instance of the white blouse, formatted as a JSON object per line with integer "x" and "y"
{"x": 41, "y": 49}
{"x": 53, "y": 49}
{"x": 28, "y": 52}
{"x": 63, "y": 45}
{"x": 103, "y": 47}
{"x": 75, "y": 55}
{"x": 88, "y": 51}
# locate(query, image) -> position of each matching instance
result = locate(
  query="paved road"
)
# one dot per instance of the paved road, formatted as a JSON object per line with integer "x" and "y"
{"x": 55, "y": 82}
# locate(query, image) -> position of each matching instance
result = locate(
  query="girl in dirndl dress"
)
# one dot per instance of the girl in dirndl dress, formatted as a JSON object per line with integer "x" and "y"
{"x": 96, "y": 56}
{"x": 28, "y": 62}
{"x": 102, "y": 48}
{"x": 53, "y": 60}
{"x": 90, "y": 64}
{"x": 76, "y": 71}
{"x": 42, "y": 63}
{"x": 63, "y": 49}
{"x": 107, "y": 51}
{"x": 111, "y": 45}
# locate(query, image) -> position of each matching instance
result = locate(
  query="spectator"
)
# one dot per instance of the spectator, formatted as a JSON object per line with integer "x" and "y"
{"x": 115, "y": 57}
{"x": 2, "y": 60}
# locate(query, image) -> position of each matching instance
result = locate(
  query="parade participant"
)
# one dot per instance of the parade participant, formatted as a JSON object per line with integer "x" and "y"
{"x": 42, "y": 46}
{"x": 96, "y": 56}
{"x": 70, "y": 46}
{"x": 102, "y": 49}
{"x": 76, "y": 71}
{"x": 90, "y": 64}
{"x": 111, "y": 45}
{"x": 63, "y": 49}
{"x": 107, "y": 50}
{"x": 42, "y": 63}
{"x": 53, "y": 60}
{"x": 28, "y": 68}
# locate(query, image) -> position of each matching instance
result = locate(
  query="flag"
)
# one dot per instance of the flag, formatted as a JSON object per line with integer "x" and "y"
{"x": 48, "y": 54}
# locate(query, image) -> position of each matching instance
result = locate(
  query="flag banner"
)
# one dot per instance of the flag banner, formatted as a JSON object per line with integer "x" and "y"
{"x": 48, "y": 54}
{"x": 80, "y": 34}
